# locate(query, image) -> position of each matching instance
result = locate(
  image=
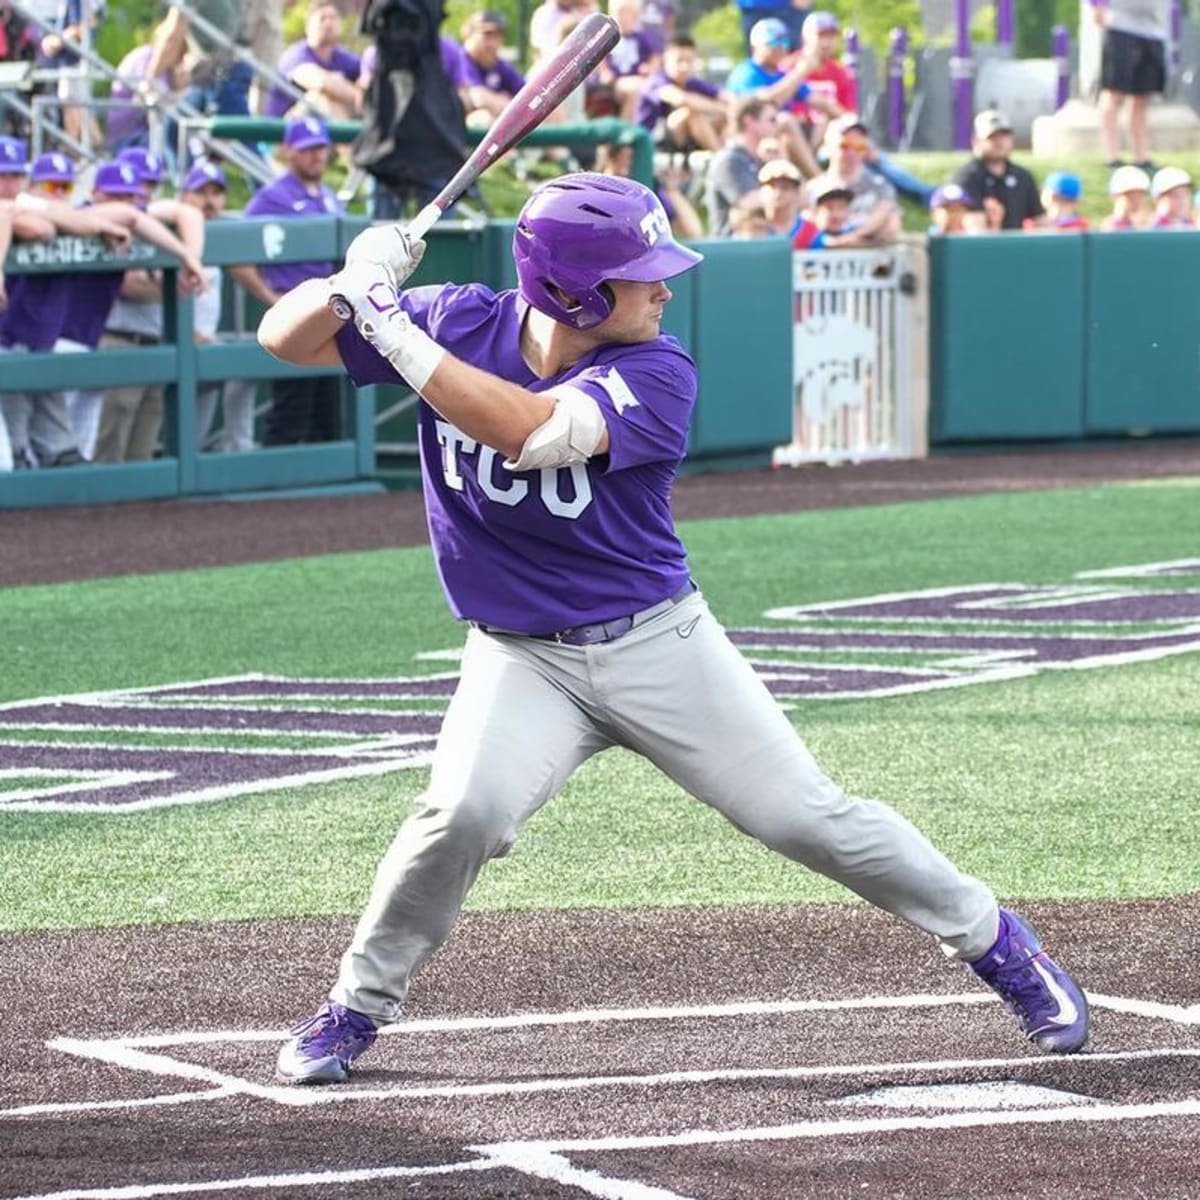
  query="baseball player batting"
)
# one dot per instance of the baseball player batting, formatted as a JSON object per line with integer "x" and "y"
{"x": 552, "y": 425}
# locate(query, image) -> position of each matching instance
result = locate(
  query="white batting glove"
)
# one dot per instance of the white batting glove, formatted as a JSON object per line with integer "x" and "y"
{"x": 363, "y": 292}
{"x": 389, "y": 247}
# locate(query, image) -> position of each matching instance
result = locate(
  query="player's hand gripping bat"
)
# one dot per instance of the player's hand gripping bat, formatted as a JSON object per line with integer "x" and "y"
{"x": 544, "y": 90}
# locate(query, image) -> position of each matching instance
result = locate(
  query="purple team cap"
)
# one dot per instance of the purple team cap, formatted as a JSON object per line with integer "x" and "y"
{"x": 578, "y": 231}
{"x": 13, "y": 156}
{"x": 949, "y": 193}
{"x": 306, "y": 133}
{"x": 148, "y": 165}
{"x": 117, "y": 179}
{"x": 770, "y": 31}
{"x": 52, "y": 168}
{"x": 202, "y": 174}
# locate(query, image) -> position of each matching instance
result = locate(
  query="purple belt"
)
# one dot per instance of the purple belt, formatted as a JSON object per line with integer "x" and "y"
{"x": 601, "y": 631}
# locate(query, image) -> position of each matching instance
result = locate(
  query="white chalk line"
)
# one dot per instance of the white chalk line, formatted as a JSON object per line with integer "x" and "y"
{"x": 295, "y": 1179}
{"x": 79, "y": 1106}
{"x": 544, "y": 1164}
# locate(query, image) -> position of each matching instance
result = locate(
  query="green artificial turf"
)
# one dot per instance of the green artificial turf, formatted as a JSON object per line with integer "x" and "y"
{"x": 1064, "y": 784}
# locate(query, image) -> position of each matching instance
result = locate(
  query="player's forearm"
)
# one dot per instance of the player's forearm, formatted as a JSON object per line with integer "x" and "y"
{"x": 299, "y": 327}
{"x": 188, "y": 222}
{"x": 484, "y": 407}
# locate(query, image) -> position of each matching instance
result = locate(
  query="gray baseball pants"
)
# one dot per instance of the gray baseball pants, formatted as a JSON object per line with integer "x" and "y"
{"x": 527, "y": 713}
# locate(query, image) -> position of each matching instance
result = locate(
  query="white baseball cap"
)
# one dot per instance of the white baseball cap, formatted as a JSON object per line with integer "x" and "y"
{"x": 1167, "y": 179}
{"x": 1128, "y": 179}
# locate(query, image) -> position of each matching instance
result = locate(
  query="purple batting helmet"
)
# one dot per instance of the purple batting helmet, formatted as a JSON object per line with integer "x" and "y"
{"x": 578, "y": 231}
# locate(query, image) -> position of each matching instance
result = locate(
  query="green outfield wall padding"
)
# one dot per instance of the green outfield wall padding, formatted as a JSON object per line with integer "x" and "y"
{"x": 1143, "y": 362}
{"x": 1007, "y": 337}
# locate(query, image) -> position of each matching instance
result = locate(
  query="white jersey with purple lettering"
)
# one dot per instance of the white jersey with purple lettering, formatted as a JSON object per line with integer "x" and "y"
{"x": 538, "y": 551}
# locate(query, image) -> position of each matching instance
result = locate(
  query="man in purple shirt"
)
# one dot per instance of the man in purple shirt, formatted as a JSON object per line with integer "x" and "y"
{"x": 304, "y": 409}
{"x": 684, "y": 112}
{"x": 486, "y": 81}
{"x": 321, "y": 67}
{"x": 552, "y": 423}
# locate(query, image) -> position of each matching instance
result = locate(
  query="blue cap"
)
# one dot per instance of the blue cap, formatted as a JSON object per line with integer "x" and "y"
{"x": 770, "y": 31}
{"x": 148, "y": 165}
{"x": 306, "y": 133}
{"x": 13, "y": 156}
{"x": 1065, "y": 184}
{"x": 117, "y": 179}
{"x": 202, "y": 174}
{"x": 52, "y": 168}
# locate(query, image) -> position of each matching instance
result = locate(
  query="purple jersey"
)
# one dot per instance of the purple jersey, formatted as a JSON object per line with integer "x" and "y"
{"x": 92, "y": 295}
{"x": 537, "y": 551}
{"x": 652, "y": 108}
{"x": 288, "y": 197}
{"x": 300, "y": 54}
{"x": 656, "y": 14}
{"x": 630, "y": 53}
{"x": 37, "y": 308}
{"x": 501, "y": 77}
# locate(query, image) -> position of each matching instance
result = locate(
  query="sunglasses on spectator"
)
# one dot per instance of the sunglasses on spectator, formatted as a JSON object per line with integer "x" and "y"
{"x": 854, "y": 143}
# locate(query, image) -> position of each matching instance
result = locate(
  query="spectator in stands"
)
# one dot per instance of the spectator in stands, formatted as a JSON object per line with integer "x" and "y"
{"x": 1133, "y": 65}
{"x": 127, "y": 124}
{"x": 67, "y": 312}
{"x": 873, "y": 207}
{"x": 617, "y": 159}
{"x": 781, "y": 196}
{"x": 18, "y": 38}
{"x": 748, "y": 222}
{"x": 833, "y": 214}
{"x": 825, "y": 76}
{"x": 1171, "y": 188}
{"x": 321, "y": 67}
{"x": 1006, "y": 192}
{"x": 452, "y": 64}
{"x": 633, "y": 58}
{"x": 303, "y": 409}
{"x": 791, "y": 13}
{"x": 733, "y": 172}
{"x": 1061, "y": 194}
{"x": 682, "y": 111}
{"x": 659, "y": 19}
{"x": 763, "y": 76}
{"x": 487, "y": 80}
{"x": 951, "y": 212}
{"x": 544, "y": 25}
{"x": 1129, "y": 189}
{"x": 850, "y": 125}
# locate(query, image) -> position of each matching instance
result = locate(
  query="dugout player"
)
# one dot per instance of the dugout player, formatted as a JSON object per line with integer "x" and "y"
{"x": 553, "y": 422}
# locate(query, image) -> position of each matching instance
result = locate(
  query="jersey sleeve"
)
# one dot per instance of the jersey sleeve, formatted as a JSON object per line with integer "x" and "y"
{"x": 646, "y": 396}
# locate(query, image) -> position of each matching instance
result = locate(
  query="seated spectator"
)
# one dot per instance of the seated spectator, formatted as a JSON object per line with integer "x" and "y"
{"x": 1007, "y": 193}
{"x": 790, "y": 13}
{"x": 733, "y": 172}
{"x": 321, "y": 67}
{"x": 486, "y": 81}
{"x": 825, "y": 76}
{"x": 617, "y": 159}
{"x": 682, "y": 111}
{"x": 852, "y": 125}
{"x": 763, "y": 76}
{"x": 633, "y": 58}
{"x": 1129, "y": 189}
{"x": 1060, "y": 198}
{"x": 781, "y": 195}
{"x": 952, "y": 212}
{"x": 873, "y": 207}
{"x": 127, "y": 124}
{"x": 748, "y": 222}
{"x": 1172, "y": 192}
{"x": 304, "y": 408}
{"x": 548, "y": 17}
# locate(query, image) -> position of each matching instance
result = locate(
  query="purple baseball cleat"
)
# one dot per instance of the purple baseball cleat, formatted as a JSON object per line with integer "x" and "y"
{"x": 324, "y": 1045}
{"x": 1049, "y": 1005}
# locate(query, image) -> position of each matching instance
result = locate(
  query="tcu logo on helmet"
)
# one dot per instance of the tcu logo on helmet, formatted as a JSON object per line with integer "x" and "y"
{"x": 655, "y": 225}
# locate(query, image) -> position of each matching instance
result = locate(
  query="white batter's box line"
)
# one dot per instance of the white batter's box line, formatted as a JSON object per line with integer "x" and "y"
{"x": 134, "y": 1054}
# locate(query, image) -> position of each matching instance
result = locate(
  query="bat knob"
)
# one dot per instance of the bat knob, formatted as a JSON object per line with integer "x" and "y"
{"x": 341, "y": 308}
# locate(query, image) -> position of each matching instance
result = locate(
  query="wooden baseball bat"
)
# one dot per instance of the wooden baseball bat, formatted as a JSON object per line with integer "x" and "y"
{"x": 592, "y": 39}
